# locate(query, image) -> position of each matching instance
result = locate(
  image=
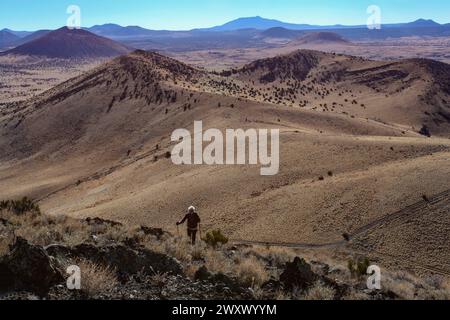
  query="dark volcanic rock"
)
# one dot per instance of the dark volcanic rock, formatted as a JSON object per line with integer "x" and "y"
{"x": 123, "y": 259}
{"x": 229, "y": 282}
{"x": 298, "y": 274}
{"x": 28, "y": 267}
{"x": 220, "y": 279}
{"x": 157, "y": 232}
{"x": 99, "y": 221}
{"x": 203, "y": 274}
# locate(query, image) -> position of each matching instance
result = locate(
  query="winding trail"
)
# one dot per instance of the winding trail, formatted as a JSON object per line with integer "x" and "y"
{"x": 409, "y": 211}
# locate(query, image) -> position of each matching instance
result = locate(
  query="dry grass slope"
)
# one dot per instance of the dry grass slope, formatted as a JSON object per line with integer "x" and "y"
{"x": 253, "y": 269}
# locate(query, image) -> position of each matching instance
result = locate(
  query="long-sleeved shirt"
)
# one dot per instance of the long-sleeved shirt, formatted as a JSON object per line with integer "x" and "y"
{"x": 192, "y": 219}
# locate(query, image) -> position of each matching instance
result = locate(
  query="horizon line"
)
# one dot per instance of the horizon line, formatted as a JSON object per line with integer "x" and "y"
{"x": 219, "y": 25}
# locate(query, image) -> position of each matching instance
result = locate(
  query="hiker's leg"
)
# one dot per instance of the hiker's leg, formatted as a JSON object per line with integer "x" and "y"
{"x": 190, "y": 235}
{"x": 194, "y": 236}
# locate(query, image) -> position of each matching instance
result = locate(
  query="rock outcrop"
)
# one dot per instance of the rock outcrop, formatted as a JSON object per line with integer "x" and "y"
{"x": 123, "y": 259}
{"x": 298, "y": 274}
{"x": 28, "y": 267}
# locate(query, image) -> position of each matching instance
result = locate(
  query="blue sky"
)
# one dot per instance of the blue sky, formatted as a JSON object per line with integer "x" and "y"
{"x": 188, "y": 14}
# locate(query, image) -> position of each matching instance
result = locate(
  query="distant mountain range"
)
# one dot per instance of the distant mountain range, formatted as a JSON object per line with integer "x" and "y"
{"x": 116, "y": 30}
{"x": 255, "y": 26}
{"x": 260, "y": 23}
{"x": 256, "y": 23}
{"x": 236, "y": 33}
{"x": 19, "y": 34}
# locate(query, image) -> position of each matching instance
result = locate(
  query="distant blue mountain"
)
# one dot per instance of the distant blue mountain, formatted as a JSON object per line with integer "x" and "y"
{"x": 19, "y": 34}
{"x": 6, "y": 38}
{"x": 423, "y": 23}
{"x": 259, "y": 23}
{"x": 111, "y": 29}
{"x": 117, "y": 31}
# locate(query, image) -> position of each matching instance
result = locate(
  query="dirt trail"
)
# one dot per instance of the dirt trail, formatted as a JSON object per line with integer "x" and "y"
{"x": 441, "y": 199}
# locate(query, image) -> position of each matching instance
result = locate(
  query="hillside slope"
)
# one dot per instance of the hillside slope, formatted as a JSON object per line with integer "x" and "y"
{"x": 409, "y": 93}
{"x": 321, "y": 38}
{"x": 97, "y": 144}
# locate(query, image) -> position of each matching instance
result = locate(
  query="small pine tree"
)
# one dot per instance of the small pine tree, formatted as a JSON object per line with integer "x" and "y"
{"x": 213, "y": 238}
{"x": 358, "y": 268}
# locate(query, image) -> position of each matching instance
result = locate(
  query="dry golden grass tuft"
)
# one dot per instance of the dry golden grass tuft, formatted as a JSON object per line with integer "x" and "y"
{"x": 216, "y": 261}
{"x": 190, "y": 270}
{"x": 173, "y": 247}
{"x": 247, "y": 268}
{"x": 96, "y": 279}
{"x": 356, "y": 296}
{"x": 159, "y": 279}
{"x": 4, "y": 246}
{"x": 409, "y": 287}
{"x": 45, "y": 230}
{"x": 278, "y": 256}
{"x": 319, "y": 292}
{"x": 281, "y": 295}
{"x": 251, "y": 272}
{"x": 198, "y": 252}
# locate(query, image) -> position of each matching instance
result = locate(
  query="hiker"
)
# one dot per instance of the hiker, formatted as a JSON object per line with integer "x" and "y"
{"x": 193, "y": 222}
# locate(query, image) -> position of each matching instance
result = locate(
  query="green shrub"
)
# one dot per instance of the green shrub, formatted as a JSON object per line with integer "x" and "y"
{"x": 213, "y": 238}
{"x": 20, "y": 207}
{"x": 359, "y": 268}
